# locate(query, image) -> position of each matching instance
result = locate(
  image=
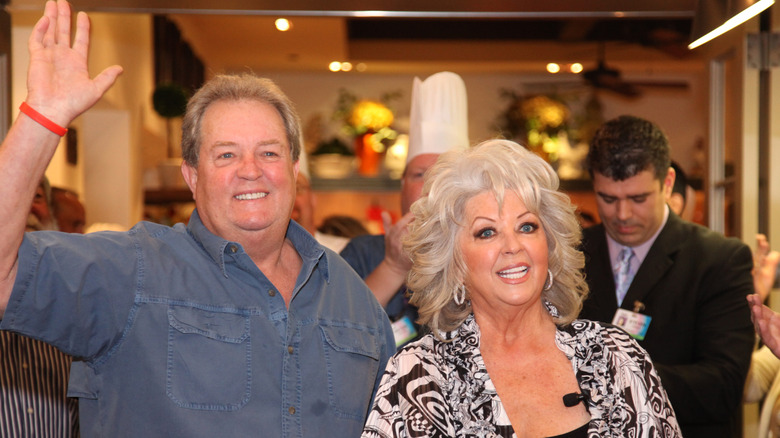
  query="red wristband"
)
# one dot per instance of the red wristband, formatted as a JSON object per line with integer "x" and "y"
{"x": 40, "y": 118}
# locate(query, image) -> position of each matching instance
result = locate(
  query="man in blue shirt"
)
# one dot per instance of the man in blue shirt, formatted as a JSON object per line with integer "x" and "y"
{"x": 237, "y": 324}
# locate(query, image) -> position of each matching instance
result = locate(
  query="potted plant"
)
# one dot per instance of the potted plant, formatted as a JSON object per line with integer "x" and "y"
{"x": 332, "y": 159}
{"x": 170, "y": 101}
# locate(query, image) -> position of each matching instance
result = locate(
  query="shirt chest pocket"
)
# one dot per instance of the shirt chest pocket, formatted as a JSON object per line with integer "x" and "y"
{"x": 209, "y": 355}
{"x": 352, "y": 359}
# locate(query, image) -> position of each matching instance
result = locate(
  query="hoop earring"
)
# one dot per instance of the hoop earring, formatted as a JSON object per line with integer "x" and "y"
{"x": 549, "y": 283}
{"x": 460, "y": 295}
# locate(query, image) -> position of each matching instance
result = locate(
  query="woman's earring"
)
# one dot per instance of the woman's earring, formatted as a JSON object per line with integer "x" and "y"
{"x": 460, "y": 295}
{"x": 548, "y": 285}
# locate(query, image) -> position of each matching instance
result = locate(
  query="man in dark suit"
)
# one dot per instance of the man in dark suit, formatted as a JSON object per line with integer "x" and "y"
{"x": 680, "y": 289}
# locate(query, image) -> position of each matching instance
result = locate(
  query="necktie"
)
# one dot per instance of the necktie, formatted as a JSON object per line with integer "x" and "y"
{"x": 623, "y": 274}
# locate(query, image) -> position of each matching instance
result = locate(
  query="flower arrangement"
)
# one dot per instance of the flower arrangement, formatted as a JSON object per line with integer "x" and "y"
{"x": 536, "y": 121}
{"x": 359, "y": 116}
{"x": 369, "y": 115}
{"x": 368, "y": 122}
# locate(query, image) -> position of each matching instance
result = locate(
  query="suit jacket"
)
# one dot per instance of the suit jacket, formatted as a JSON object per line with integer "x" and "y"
{"x": 693, "y": 284}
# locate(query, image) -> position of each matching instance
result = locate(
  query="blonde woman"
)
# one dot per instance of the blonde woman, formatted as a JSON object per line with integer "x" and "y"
{"x": 497, "y": 279}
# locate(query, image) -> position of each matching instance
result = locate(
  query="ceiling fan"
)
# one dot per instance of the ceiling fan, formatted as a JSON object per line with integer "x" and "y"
{"x": 607, "y": 78}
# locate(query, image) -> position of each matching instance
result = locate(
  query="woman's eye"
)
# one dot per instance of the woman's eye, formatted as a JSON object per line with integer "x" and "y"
{"x": 528, "y": 228}
{"x": 226, "y": 155}
{"x": 486, "y": 233}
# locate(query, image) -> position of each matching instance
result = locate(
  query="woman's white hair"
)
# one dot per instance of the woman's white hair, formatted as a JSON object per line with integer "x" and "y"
{"x": 495, "y": 166}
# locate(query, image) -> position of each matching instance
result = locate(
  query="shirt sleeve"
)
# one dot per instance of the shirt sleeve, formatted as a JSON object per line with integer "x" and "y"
{"x": 763, "y": 369}
{"x": 643, "y": 407}
{"x": 404, "y": 403}
{"x": 363, "y": 254}
{"x": 73, "y": 291}
{"x": 655, "y": 404}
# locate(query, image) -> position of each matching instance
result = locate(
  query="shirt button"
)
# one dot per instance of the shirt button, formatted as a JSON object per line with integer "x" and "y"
{"x": 290, "y": 349}
{"x": 233, "y": 249}
{"x": 30, "y": 410}
{"x": 24, "y": 365}
{"x": 292, "y": 410}
{"x": 271, "y": 293}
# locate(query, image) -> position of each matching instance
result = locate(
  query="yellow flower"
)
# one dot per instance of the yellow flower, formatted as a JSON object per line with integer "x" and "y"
{"x": 545, "y": 112}
{"x": 370, "y": 115}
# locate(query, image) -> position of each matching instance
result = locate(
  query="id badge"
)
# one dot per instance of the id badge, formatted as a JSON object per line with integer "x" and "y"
{"x": 636, "y": 324}
{"x": 403, "y": 331}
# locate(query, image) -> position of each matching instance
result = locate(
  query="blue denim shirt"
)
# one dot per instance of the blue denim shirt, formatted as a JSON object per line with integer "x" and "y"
{"x": 180, "y": 334}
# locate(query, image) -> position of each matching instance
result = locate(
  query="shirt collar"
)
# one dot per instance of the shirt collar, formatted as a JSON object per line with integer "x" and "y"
{"x": 310, "y": 251}
{"x": 640, "y": 251}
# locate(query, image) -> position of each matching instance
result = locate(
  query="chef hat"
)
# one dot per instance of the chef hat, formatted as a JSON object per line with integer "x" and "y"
{"x": 438, "y": 119}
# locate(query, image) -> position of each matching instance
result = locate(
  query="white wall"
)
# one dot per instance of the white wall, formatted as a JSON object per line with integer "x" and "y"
{"x": 118, "y": 158}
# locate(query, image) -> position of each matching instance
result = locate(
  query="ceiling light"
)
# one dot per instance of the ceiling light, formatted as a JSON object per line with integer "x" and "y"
{"x": 575, "y": 68}
{"x": 346, "y": 66}
{"x": 334, "y": 66}
{"x": 715, "y": 18}
{"x": 553, "y": 67}
{"x": 282, "y": 24}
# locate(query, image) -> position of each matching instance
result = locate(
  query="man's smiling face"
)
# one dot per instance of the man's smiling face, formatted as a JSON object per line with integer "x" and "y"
{"x": 245, "y": 178}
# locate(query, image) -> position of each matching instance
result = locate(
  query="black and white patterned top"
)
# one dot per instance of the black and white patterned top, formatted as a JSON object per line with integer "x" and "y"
{"x": 442, "y": 389}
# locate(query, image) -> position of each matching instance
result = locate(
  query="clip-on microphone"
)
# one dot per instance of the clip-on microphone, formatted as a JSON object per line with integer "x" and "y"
{"x": 573, "y": 398}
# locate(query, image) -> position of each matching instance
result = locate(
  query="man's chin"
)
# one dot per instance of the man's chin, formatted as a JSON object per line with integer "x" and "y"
{"x": 626, "y": 239}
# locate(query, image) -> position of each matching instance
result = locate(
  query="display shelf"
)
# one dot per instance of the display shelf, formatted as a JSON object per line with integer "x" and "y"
{"x": 356, "y": 183}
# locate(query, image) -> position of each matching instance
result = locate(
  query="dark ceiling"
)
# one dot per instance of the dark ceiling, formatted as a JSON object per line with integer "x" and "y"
{"x": 670, "y": 35}
{"x": 633, "y": 30}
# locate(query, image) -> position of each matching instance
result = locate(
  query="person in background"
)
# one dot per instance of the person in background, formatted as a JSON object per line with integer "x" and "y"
{"x": 766, "y": 322}
{"x": 344, "y": 226}
{"x": 765, "y": 264}
{"x": 682, "y": 200}
{"x": 763, "y": 385}
{"x": 40, "y": 216}
{"x": 236, "y": 324}
{"x": 68, "y": 210}
{"x": 685, "y": 303}
{"x": 438, "y": 123}
{"x": 496, "y": 274}
{"x": 763, "y": 382}
{"x": 303, "y": 209}
{"x": 34, "y": 375}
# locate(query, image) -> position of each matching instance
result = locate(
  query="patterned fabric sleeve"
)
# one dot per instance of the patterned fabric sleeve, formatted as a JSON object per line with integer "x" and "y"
{"x": 410, "y": 400}
{"x": 625, "y": 393}
{"x": 654, "y": 416}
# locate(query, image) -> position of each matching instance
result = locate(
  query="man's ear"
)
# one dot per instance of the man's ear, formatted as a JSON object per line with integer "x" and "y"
{"x": 676, "y": 203}
{"x": 190, "y": 175}
{"x": 668, "y": 183}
